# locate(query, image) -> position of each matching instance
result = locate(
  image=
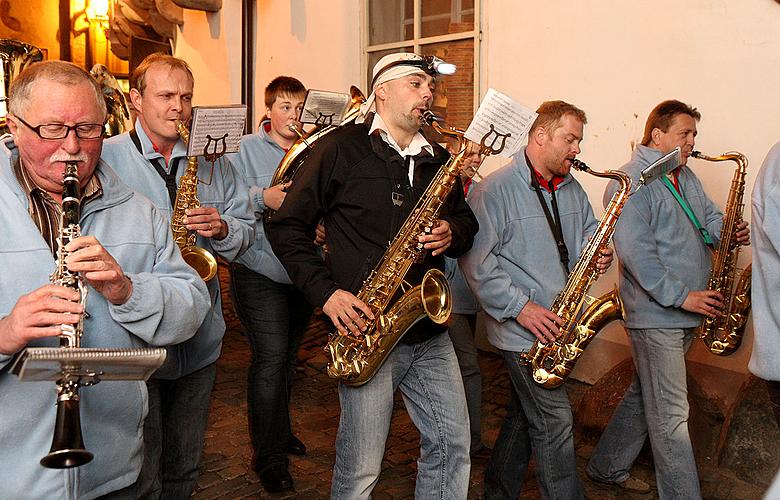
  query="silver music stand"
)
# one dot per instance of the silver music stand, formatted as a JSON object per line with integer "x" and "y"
{"x": 87, "y": 366}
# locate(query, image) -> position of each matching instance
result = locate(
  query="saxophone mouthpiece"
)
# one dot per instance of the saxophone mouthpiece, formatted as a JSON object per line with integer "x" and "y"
{"x": 429, "y": 117}
{"x": 696, "y": 154}
{"x": 579, "y": 165}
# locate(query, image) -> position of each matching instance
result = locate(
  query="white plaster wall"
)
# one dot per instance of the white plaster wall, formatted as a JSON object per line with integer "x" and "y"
{"x": 317, "y": 42}
{"x": 211, "y": 43}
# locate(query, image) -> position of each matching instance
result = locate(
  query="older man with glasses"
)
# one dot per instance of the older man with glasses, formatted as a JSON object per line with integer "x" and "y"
{"x": 142, "y": 293}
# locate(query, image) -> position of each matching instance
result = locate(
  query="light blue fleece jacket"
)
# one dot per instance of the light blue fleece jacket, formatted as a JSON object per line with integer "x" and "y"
{"x": 167, "y": 304}
{"x": 514, "y": 257}
{"x": 256, "y": 162}
{"x": 765, "y": 291}
{"x": 662, "y": 256}
{"x": 228, "y": 193}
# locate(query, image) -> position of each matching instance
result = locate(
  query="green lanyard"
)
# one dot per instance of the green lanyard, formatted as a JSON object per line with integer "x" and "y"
{"x": 684, "y": 204}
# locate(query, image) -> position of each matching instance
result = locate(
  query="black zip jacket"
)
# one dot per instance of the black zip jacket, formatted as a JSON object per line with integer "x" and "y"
{"x": 354, "y": 183}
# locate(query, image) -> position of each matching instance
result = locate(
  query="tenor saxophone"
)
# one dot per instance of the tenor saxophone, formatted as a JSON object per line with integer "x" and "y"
{"x": 198, "y": 258}
{"x": 552, "y": 363}
{"x": 723, "y": 334}
{"x": 355, "y": 360}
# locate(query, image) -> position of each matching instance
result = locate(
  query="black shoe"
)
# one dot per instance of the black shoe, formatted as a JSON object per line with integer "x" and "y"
{"x": 276, "y": 478}
{"x": 296, "y": 447}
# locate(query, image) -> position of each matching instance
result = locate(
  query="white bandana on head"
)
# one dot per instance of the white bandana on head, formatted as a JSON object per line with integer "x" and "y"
{"x": 381, "y": 75}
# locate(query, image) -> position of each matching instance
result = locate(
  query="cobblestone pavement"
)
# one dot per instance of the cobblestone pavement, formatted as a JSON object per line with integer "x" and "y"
{"x": 225, "y": 471}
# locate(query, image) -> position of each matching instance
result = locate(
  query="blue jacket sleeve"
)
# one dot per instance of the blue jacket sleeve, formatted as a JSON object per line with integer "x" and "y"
{"x": 169, "y": 303}
{"x": 491, "y": 284}
{"x": 238, "y": 215}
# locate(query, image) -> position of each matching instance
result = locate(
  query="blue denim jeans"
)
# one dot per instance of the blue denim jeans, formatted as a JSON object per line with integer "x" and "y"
{"x": 275, "y": 317}
{"x": 538, "y": 421}
{"x": 174, "y": 434}
{"x": 428, "y": 377}
{"x": 461, "y": 329}
{"x": 656, "y": 404}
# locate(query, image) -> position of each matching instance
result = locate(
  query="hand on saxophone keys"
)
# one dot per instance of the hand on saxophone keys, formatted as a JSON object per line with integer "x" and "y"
{"x": 605, "y": 260}
{"x": 540, "y": 321}
{"x": 743, "y": 234}
{"x": 706, "y": 302}
{"x": 438, "y": 239}
{"x": 99, "y": 269}
{"x": 344, "y": 310}
{"x": 39, "y": 314}
{"x": 207, "y": 222}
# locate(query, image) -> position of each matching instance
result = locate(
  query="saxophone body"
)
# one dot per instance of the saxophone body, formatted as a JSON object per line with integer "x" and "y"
{"x": 582, "y": 316}
{"x": 198, "y": 258}
{"x": 355, "y": 360}
{"x": 723, "y": 335}
{"x": 67, "y": 449}
{"x": 295, "y": 156}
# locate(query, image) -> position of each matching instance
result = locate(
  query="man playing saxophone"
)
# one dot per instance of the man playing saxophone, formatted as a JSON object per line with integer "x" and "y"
{"x": 364, "y": 179}
{"x": 274, "y": 313}
{"x": 665, "y": 260}
{"x": 534, "y": 220}
{"x": 141, "y": 291}
{"x": 152, "y": 160}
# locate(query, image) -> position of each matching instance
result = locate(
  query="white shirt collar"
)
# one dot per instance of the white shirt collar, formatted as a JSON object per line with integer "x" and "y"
{"x": 418, "y": 144}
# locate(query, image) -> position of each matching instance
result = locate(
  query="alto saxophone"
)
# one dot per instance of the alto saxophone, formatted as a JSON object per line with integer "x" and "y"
{"x": 355, "y": 360}
{"x": 67, "y": 449}
{"x": 298, "y": 152}
{"x": 198, "y": 258}
{"x": 551, "y": 363}
{"x": 723, "y": 334}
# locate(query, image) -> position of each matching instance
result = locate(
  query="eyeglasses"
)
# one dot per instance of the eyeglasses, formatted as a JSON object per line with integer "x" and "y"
{"x": 54, "y": 131}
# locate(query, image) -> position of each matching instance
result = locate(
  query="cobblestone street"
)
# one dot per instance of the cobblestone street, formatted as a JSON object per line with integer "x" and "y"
{"x": 225, "y": 472}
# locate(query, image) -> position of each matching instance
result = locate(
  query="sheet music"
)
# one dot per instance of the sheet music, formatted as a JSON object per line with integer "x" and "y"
{"x": 216, "y": 130}
{"x": 324, "y": 108}
{"x": 661, "y": 166}
{"x": 506, "y": 116}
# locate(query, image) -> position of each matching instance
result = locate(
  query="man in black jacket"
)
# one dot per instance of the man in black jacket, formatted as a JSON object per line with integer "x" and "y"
{"x": 364, "y": 180}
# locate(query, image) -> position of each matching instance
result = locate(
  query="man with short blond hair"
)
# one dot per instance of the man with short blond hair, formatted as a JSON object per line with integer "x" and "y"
{"x": 151, "y": 159}
{"x": 140, "y": 290}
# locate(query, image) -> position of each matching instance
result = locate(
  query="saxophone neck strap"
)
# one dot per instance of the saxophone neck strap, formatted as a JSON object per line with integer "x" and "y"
{"x": 553, "y": 219}
{"x": 705, "y": 235}
{"x": 168, "y": 177}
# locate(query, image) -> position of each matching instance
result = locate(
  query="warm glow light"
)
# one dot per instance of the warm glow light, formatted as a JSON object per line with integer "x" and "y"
{"x": 98, "y": 9}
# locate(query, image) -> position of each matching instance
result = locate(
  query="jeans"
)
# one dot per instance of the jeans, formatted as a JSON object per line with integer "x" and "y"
{"x": 656, "y": 404}
{"x": 174, "y": 434}
{"x": 538, "y": 420}
{"x": 462, "y": 328}
{"x": 429, "y": 380}
{"x": 275, "y": 317}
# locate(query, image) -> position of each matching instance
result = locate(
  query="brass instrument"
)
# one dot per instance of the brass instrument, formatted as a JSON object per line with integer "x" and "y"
{"x": 355, "y": 360}
{"x": 198, "y": 258}
{"x": 551, "y": 363}
{"x": 298, "y": 152}
{"x": 14, "y": 57}
{"x": 723, "y": 335}
{"x": 67, "y": 448}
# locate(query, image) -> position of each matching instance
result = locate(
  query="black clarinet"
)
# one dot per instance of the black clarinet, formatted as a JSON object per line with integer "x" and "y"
{"x": 67, "y": 448}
